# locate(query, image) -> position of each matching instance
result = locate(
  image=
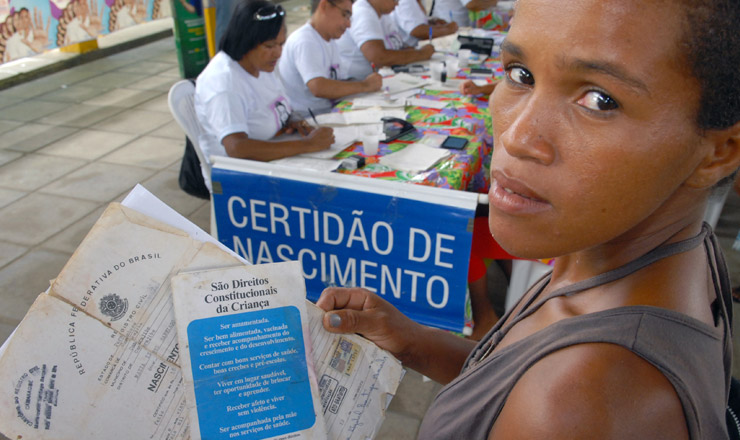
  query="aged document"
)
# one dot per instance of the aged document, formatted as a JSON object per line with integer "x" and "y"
{"x": 356, "y": 378}
{"x": 106, "y": 334}
{"x": 120, "y": 275}
{"x": 245, "y": 357}
{"x": 65, "y": 375}
{"x": 98, "y": 356}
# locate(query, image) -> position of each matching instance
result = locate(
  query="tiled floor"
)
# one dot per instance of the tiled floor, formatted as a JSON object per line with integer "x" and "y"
{"x": 75, "y": 140}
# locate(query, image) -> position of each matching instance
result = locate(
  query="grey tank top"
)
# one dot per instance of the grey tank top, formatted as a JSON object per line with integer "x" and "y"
{"x": 695, "y": 357}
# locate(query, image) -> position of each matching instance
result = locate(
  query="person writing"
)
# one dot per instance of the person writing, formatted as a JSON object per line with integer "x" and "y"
{"x": 458, "y": 10}
{"x": 310, "y": 65}
{"x": 240, "y": 100}
{"x": 606, "y": 150}
{"x": 374, "y": 40}
{"x": 412, "y": 20}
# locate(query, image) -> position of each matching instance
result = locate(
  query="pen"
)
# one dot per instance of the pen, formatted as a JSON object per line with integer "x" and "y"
{"x": 430, "y": 33}
{"x": 450, "y": 16}
{"x": 373, "y": 66}
{"x": 313, "y": 117}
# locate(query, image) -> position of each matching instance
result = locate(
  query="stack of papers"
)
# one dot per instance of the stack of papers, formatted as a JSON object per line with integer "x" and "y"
{"x": 428, "y": 103}
{"x": 414, "y": 158}
{"x": 355, "y": 117}
{"x": 401, "y": 82}
{"x": 150, "y": 332}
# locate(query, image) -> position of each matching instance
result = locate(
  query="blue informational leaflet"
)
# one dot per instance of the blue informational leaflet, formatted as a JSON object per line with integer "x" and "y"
{"x": 244, "y": 333}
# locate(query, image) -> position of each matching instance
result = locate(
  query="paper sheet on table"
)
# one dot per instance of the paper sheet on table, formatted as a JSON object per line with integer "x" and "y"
{"x": 367, "y": 116}
{"x": 377, "y": 101}
{"x": 357, "y": 380}
{"x": 414, "y": 158}
{"x": 450, "y": 84}
{"x": 403, "y": 81}
{"x": 306, "y": 162}
{"x": 428, "y": 103}
{"x": 448, "y": 43}
{"x": 344, "y": 136}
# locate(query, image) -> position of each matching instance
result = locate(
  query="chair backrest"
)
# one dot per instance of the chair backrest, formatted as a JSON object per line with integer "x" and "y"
{"x": 181, "y": 100}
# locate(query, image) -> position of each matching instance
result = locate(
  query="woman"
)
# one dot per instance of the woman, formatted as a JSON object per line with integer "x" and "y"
{"x": 239, "y": 99}
{"x": 606, "y": 150}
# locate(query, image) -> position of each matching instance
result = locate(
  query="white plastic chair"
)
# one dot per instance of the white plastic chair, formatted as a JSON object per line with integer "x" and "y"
{"x": 181, "y": 100}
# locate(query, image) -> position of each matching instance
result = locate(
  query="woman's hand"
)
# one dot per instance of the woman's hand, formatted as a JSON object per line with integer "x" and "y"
{"x": 357, "y": 310}
{"x": 320, "y": 138}
{"x": 298, "y": 126}
{"x": 373, "y": 82}
{"x": 435, "y": 353}
{"x": 469, "y": 88}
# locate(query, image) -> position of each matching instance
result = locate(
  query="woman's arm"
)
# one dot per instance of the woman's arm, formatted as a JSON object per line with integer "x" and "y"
{"x": 241, "y": 146}
{"x": 335, "y": 89}
{"x": 439, "y": 29}
{"x": 434, "y": 353}
{"x": 589, "y": 391}
{"x": 376, "y": 53}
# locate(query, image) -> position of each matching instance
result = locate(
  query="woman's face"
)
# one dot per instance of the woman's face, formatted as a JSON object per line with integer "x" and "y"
{"x": 594, "y": 125}
{"x": 266, "y": 55}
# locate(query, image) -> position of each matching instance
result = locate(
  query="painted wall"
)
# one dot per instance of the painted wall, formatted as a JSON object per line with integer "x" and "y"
{"x": 28, "y": 27}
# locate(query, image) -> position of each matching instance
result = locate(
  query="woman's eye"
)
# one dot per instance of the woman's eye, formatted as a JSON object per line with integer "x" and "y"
{"x": 598, "y": 101}
{"x": 520, "y": 75}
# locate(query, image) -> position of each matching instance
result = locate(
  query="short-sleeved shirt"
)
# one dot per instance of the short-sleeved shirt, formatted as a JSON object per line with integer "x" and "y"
{"x": 366, "y": 26}
{"x": 229, "y": 100}
{"x": 455, "y": 9}
{"x": 306, "y": 55}
{"x": 408, "y": 15}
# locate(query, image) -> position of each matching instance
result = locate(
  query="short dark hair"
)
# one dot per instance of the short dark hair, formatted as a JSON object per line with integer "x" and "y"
{"x": 712, "y": 44}
{"x": 244, "y": 33}
{"x": 315, "y": 4}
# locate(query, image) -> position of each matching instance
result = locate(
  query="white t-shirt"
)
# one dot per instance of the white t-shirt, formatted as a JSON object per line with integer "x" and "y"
{"x": 408, "y": 15}
{"x": 456, "y": 9}
{"x": 366, "y": 26}
{"x": 229, "y": 100}
{"x": 306, "y": 55}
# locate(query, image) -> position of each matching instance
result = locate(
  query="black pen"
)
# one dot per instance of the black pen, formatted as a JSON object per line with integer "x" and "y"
{"x": 313, "y": 117}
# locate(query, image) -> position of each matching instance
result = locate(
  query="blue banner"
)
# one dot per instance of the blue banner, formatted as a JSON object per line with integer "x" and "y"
{"x": 412, "y": 253}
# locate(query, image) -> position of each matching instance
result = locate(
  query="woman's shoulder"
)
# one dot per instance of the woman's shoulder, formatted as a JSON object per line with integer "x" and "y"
{"x": 589, "y": 390}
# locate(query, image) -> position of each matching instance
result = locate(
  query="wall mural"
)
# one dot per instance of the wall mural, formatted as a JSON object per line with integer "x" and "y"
{"x": 28, "y": 27}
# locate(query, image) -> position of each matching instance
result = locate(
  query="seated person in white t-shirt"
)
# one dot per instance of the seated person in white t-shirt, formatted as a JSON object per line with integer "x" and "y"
{"x": 310, "y": 62}
{"x": 239, "y": 99}
{"x": 457, "y": 10}
{"x": 412, "y": 19}
{"x": 375, "y": 40}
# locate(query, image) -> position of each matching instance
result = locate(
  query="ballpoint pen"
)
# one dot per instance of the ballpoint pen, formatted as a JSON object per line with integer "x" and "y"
{"x": 313, "y": 117}
{"x": 430, "y": 33}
